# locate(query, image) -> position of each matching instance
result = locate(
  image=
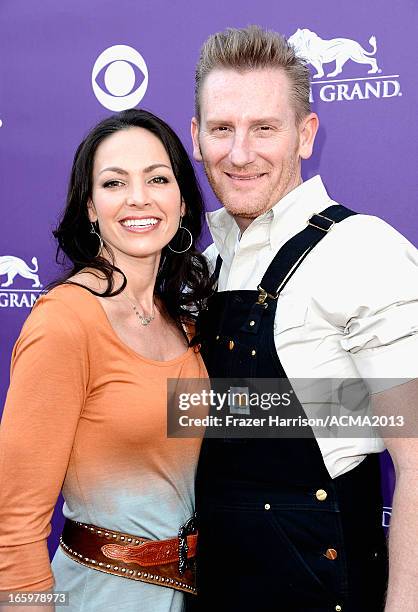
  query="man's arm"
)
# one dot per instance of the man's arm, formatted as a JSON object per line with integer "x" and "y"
{"x": 403, "y": 535}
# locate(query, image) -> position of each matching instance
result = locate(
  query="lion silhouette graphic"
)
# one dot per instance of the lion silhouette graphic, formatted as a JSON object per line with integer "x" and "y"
{"x": 12, "y": 266}
{"x": 318, "y": 52}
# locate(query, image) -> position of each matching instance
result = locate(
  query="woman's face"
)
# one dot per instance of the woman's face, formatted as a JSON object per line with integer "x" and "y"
{"x": 135, "y": 197}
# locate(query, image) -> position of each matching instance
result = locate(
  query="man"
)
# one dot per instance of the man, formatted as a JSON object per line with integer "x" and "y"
{"x": 295, "y": 524}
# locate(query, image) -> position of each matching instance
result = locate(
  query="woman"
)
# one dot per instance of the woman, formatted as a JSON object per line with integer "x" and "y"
{"x": 86, "y": 408}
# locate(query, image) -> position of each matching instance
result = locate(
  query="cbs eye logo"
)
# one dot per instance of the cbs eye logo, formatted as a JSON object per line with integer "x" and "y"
{"x": 118, "y": 64}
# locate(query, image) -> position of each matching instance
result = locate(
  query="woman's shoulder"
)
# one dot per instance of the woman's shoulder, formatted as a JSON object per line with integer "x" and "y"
{"x": 77, "y": 291}
{"x": 57, "y": 329}
{"x": 69, "y": 297}
{"x": 64, "y": 307}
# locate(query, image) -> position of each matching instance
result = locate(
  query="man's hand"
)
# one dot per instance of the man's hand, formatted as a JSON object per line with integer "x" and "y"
{"x": 403, "y": 535}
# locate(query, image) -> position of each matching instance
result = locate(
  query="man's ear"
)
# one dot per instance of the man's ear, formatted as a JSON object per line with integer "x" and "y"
{"x": 194, "y": 129}
{"x": 307, "y": 131}
{"x": 91, "y": 211}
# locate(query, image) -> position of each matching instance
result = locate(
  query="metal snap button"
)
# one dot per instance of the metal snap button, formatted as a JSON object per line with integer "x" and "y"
{"x": 331, "y": 554}
{"x": 267, "y": 506}
{"x": 321, "y": 495}
{"x": 231, "y": 345}
{"x": 252, "y": 323}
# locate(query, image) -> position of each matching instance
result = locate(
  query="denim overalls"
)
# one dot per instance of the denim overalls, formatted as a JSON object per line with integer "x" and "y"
{"x": 276, "y": 532}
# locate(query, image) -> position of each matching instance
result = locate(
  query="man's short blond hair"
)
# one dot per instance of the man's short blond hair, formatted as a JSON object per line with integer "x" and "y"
{"x": 254, "y": 48}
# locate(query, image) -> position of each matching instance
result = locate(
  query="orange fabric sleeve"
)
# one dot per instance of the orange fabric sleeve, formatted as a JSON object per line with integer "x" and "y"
{"x": 49, "y": 379}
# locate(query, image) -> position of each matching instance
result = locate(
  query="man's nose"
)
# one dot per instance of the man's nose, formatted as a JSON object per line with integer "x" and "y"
{"x": 241, "y": 153}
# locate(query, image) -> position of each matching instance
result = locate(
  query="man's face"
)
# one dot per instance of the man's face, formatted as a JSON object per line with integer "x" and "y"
{"x": 248, "y": 140}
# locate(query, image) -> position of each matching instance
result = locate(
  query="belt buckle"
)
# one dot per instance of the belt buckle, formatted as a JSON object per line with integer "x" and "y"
{"x": 187, "y": 529}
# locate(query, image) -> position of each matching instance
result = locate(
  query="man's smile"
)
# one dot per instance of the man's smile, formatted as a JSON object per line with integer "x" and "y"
{"x": 245, "y": 177}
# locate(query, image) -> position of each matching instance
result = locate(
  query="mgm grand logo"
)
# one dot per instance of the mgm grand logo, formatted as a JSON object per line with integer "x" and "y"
{"x": 16, "y": 269}
{"x": 337, "y": 52}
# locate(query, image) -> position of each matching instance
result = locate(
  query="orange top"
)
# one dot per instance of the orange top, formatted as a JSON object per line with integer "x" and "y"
{"x": 87, "y": 414}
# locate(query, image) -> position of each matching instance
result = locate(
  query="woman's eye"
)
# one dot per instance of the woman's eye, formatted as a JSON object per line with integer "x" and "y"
{"x": 113, "y": 183}
{"x": 159, "y": 180}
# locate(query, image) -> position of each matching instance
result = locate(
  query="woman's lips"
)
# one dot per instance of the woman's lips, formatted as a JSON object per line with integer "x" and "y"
{"x": 140, "y": 226}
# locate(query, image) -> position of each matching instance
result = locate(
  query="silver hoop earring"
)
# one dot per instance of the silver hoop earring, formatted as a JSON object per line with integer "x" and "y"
{"x": 189, "y": 236}
{"x": 101, "y": 244}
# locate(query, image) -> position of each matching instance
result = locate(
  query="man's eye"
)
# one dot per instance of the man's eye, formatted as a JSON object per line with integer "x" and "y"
{"x": 159, "y": 180}
{"x": 265, "y": 128}
{"x": 221, "y": 128}
{"x": 113, "y": 183}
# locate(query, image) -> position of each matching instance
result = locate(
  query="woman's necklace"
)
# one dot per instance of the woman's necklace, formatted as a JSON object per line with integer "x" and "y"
{"x": 144, "y": 320}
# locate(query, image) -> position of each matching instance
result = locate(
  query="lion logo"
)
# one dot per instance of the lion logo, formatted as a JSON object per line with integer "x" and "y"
{"x": 318, "y": 52}
{"x": 12, "y": 266}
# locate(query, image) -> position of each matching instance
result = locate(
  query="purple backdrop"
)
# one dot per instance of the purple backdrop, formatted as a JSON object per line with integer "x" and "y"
{"x": 143, "y": 54}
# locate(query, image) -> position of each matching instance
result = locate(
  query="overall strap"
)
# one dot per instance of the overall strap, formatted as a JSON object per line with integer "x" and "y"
{"x": 294, "y": 251}
{"x": 291, "y": 255}
{"x": 217, "y": 269}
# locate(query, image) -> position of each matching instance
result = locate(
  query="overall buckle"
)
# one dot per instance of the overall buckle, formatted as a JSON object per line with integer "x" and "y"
{"x": 263, "y": 295}
{"x": 324, "y": 229}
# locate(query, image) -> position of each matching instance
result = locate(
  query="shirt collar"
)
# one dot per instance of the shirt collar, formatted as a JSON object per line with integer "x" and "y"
{"x": 282, "y": 221}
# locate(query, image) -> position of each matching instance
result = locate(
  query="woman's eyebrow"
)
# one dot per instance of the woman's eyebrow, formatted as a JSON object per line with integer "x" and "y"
{"x": 148, "y": 169}
{"x": 113, "y": 169}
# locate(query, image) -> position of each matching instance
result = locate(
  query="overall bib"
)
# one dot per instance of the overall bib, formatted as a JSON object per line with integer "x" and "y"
{"x": 276, "y": 532}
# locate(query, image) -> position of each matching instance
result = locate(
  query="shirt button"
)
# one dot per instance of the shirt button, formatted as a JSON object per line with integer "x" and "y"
{"x": 338, "y": 608}
{"x": 252, "y": 323}
{"x": 253, "y": 352}
{"x": 331, "y": 554}
{"x": 321, "y": 495}
{"x": 267, "y": 506}
{"x": 231, "y": 345}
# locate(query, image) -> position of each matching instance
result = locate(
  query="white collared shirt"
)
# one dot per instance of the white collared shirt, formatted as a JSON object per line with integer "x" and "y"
{"x": 350, "y": 310}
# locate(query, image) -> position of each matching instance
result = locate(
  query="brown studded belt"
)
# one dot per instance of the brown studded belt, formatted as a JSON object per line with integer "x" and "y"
{"x": 169, "y": 563}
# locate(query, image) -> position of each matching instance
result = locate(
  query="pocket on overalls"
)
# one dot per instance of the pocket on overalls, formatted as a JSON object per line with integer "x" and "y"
{"x": 313, "y": 540}
{"x": 285, "y": 548}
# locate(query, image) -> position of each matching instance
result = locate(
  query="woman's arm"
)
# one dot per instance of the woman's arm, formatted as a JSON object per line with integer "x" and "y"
{"x": 49, "y": 378}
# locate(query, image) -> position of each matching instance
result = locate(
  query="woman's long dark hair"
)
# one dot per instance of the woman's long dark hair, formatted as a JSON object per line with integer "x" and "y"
{"x": 183, "y": 281}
